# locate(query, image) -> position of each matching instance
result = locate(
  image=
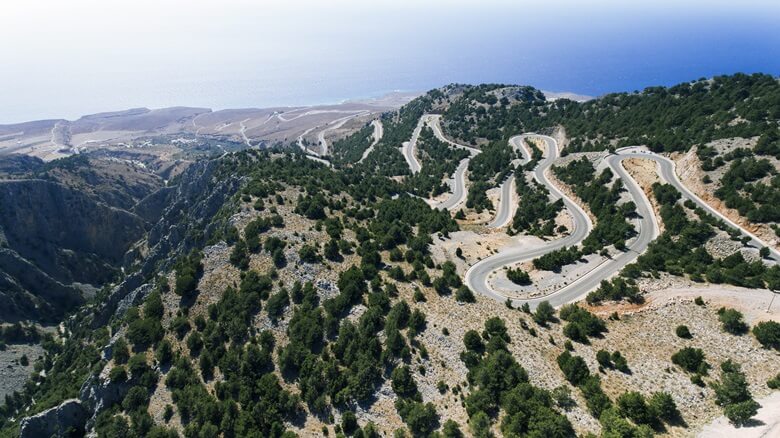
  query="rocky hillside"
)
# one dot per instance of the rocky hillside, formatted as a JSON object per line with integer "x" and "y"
{"x": 65, "y": 228}
{"x": 265, "y": 294}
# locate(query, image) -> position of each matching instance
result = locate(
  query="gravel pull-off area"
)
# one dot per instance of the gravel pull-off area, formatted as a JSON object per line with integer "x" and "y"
{"x": 766, "y": 424}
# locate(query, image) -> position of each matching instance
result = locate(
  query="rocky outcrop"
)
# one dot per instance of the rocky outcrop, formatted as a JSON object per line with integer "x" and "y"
{"x": 152, "y": 207}
{"x": 66, "y": 419}
{"x": 97, "y": 394}
{"x": 18, "y": 277}
{"x": 195, "y": 200}
{"x": 72, "y": 417}
{"x": 51, "y": 237}
{"x": 64, "y": 232}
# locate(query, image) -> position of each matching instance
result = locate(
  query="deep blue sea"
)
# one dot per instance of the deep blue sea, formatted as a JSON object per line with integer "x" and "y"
{"x": 247, "y": 55}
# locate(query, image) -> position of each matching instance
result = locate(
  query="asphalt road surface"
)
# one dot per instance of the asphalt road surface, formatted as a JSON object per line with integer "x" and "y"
{"x": 378, "y": 133}
{"x": 458, "y": 183}
{"x": 477, "y": 275}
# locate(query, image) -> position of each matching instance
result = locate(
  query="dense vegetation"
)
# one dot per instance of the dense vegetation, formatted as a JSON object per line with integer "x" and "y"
{"x": 666, "y": 119}
{"x": 674, "y": 118}
{"x": 350, "y": 149}
{"x": 333, "y": 362}
{"x": 479, "y": 113}
{"x": 387, "y": 159}
{"x": 632, "y": 414}
{"x": 743, "y": 188}
{"x": 500, "y": 388}
{"x": 732, "y": 393}
{"x": 486, "y": 171}
{"x": 679, "y": 250}
{"x": 535, "y": 214}
{"x": 612, "y": 226}
{"x": 438, "y": 161}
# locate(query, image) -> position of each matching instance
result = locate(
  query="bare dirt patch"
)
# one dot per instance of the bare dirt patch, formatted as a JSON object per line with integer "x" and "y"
{"x": 645, "y": 336}
{"x": 644, "y": 172}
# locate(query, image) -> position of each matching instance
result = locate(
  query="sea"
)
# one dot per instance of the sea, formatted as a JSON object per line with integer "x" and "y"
{"x": 329, "y": 53}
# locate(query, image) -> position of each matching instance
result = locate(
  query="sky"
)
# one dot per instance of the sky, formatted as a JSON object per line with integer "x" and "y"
{"x": 64, "y": 59}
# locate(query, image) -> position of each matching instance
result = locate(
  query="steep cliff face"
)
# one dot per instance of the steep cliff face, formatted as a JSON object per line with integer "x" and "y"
{"x": 185, "y": 211}
{"x": 53, "y": 236}
{"x": 115, "y": 181}
{"x": 27, "y": 292}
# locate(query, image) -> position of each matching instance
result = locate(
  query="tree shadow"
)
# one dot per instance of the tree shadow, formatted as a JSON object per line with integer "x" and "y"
{"x": 753, "y": 422}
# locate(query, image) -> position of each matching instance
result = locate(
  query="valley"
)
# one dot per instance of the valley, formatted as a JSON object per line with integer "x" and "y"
{"x": 478, "y": 260}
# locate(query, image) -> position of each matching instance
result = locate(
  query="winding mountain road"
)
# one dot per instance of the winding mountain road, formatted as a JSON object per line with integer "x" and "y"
{"x": 667, "y": 170}
{"x": 507, "y": 204}
{"x": 477, "y": 276}
{"x": 378, "y": 133}
{"x": 408, "y": 148}
{"x": 242, "y": 131}
{"x": 300, "y": 141}
{"x": 332, "y": 126}
{"x": 458, "y": 183}
{"x": 311, "y": 154}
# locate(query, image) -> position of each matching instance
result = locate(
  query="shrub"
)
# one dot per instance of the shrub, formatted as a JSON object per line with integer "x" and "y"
{"x": 768, "y": 334}
{"x": 663, "y": 406}
{"x": 581, "y": 323}
{"x": 544, "y": 313}
{"x": 239, "y": 256}
{"x": 120, "y": 353}
{"x": 180, "y": 326}
{"x": 518, "y": 276}
{"x": 733, "y": 395}
{"x": 421, "y": 418}
{"x": 595, "y": 398}
{"x": 168, "y": 413}
{"x": 349, "y": 422}
{"x": 682, "y": 332}
{"x": 117, "y": 374}
{"x": 633, "y": 406}
{"x": 604, "y": 358}
{"x": 732, "y": 321}
{"x": 616, "y": 290}
{"x": 403, "y": 383}
{"x": 574, "y": 368}
{"x": 153, "y": 306}
{"x": 143, "y": 332}
{"x": 691, "y": 360}
{"x": 308, "y": 254}
{"x": 774, "y": 382}
{"x": 620, "y": 362}
{"x": 451, "y": 430}
{"x": 277, "y": 303}
{"x": 479, "y": 423}
{"x": 562, "y": 397}
{"x": 137, "y": 397}
{"x": 164, "y": 352}
{"x": 464, "y": 295}
{"x": 188, "y": 271}
{"x": 473, "y": 341}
